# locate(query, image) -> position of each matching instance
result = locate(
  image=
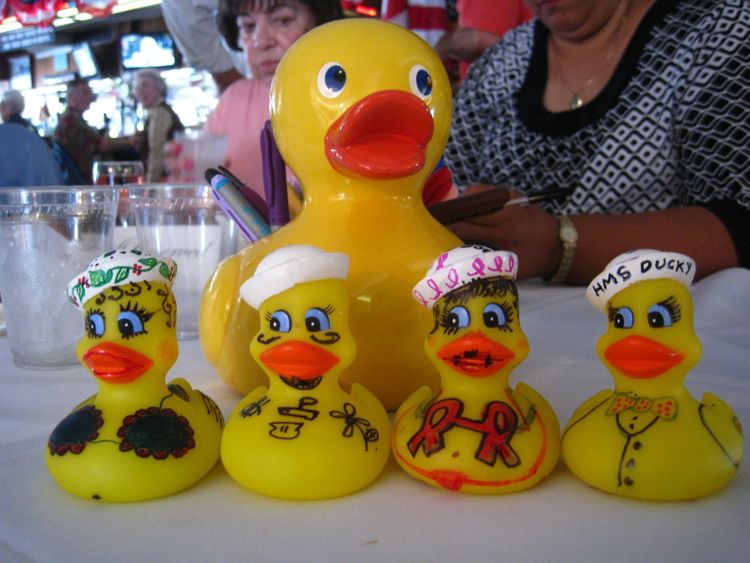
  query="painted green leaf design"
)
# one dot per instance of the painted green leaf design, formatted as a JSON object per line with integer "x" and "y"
{"x": 122, "y": 273}
{"x": 149, "y": 262}
{"x": 164, "y": 270}
{"x": 97, "y": 278}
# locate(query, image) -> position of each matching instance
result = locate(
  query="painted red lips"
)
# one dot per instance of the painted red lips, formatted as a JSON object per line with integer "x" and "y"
{"x": 476, "y": 355}
{"x": 115, "y": 363}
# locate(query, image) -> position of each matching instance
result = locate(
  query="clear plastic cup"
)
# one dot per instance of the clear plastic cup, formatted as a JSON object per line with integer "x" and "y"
{"x": 184, "y": 222}
{"x": 48, "y": 235}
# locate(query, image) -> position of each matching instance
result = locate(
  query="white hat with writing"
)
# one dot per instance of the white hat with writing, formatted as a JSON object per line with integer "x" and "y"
{"x": 461, "y": 266}
{"x": 637, "y": 266}
{"x": 289, "y": 266}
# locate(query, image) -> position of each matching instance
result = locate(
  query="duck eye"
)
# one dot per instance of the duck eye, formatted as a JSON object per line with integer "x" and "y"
{"x": 331, "y": 80}
{"x": 623, "y": 318}
{"x": 316, "y": 320}
{"x": 94, "y": 325}
{"x": 420, "y": 81}
{"x": 494, "y": 316}
{"x": 281, "y": 321}
{"x": 458, "y": 317}
{"x": 659, "y": 316}
{"x": 130, "y": 324}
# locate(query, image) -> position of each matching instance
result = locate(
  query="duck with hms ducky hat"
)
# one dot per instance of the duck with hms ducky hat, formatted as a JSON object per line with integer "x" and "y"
{"x": 360, "y": 112}
{"x": 138, "y": 438}
{"x": 477, "y": 434}
{"x": 304, "y": 436}
{"x": 649, "y": 438}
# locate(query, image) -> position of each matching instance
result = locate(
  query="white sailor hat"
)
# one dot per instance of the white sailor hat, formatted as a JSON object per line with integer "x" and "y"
{"x": 460, "y": 266}
{"x": 291, "y": 265}
{"x": 637, "y": 266}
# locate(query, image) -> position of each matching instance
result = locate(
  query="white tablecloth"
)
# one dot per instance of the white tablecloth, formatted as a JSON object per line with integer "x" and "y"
{"x": 396, "y": 518}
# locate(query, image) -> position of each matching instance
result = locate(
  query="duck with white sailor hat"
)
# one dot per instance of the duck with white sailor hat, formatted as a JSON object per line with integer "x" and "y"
{"x": 304, "y": 436}
{"x": 138, "y": 438}
{"x": 476, "y": 434}
{"x": 649, "y": 438}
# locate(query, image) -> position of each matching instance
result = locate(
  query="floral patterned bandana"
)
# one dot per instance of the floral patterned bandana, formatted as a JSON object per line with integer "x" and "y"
{"x": 119, "y": 267}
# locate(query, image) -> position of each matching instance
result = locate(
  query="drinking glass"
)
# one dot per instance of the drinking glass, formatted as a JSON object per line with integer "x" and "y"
{"x": 119, "y": 173}
{"x": 47, "y": 236}
{"x": 184, "y": 222}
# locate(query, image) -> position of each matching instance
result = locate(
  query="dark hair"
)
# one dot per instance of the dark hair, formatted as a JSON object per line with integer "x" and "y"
{"x": 76, "y": 82}
{"x": 323, "y": 10}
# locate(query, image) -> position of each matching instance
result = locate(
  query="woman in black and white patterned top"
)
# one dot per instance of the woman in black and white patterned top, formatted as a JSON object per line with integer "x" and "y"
{"x": 640, "y": 108}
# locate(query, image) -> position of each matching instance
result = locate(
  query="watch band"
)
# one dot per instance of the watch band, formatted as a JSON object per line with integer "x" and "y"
{"x": 569, "y": 238}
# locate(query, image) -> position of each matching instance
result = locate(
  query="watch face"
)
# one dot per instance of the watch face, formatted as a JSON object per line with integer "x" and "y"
{"x": 568, "y": 233}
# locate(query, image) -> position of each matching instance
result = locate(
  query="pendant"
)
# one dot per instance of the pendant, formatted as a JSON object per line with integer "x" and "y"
{"x": 576, "y": 101}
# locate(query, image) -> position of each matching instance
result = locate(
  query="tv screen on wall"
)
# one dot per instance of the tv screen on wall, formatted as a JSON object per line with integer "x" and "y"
{"x": 86, "y": 64}
{"x": 147, "y": 50}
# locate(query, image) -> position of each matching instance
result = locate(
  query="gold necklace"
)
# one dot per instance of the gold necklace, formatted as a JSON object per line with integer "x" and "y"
{"x": 576, "y": 101}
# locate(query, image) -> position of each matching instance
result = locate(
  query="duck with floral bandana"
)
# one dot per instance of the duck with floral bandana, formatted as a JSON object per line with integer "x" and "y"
{"x": 138, "y": 438}
{"x": 649, "y": 438}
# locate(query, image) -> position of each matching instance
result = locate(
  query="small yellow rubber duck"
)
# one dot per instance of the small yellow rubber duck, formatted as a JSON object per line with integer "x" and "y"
{"x": 649, "y": 438}
{"x": 304, "y": 437}
{"x": 138, "y": 438}
{"x": 477, "y": 434}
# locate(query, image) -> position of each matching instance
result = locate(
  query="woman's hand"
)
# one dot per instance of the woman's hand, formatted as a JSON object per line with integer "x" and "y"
{"x": 527, "y": 230}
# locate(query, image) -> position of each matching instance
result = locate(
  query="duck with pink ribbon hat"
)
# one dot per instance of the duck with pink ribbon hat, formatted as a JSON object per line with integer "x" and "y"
{"x": 649, "y": 438}
{"x": 304, "y": 436}
{"x": 477, "y": 434}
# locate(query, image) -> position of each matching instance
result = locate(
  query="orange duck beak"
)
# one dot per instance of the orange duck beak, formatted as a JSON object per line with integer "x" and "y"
{"x": 641, "y": 358}
{"x": 115, "y": 363}
{"x": 476, "y": 355}
{"x": 298, "y": 359}
{"x": 383, "y": 136}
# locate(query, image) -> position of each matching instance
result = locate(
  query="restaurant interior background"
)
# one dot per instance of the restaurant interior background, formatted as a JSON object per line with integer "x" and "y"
{"x": 106, "y": 41}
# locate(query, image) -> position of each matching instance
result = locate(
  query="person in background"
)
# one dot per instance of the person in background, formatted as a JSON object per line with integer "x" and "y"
{"x": 81, "y": 141}
{"x": 161, "y": 124}
{"x": 192, "y": 24}
{"x": 263, "y": 30}
{"x": 427, "y": 18}
{"x": 481, "y": 24}
{"x": 25, "y": 159}
{"x": 11, "y": 108}
{"x": 636, "y": 107}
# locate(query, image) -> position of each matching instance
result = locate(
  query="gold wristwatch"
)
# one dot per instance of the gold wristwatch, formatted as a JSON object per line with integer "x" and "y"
{"x": 569, "y": 239}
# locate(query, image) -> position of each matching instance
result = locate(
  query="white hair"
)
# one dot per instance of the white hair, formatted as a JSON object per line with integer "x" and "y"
{"x": 15, "y": 100}
{"x": 157, "y": 79}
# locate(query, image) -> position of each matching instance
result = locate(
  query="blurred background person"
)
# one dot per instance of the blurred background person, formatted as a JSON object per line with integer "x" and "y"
{"x": 25, "y": 159}
{"x": 11, "y": 108}
{"x": 192, "y": 24}
{"x": 161, "y": 122}
{"x": 481, "y": 24}
{"x": 79, "y": 142}
{"x": 263, "y": 30}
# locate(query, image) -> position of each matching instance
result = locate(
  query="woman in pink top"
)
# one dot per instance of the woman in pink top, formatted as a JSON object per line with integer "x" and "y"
{"x": 263, "y": 30}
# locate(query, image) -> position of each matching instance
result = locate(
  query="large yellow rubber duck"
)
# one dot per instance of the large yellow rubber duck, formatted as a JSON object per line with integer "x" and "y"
{"x": 649, "y": 438}
{"x": 477, "y": 434}
{"x": 304, "y": 437}
{"x": 138, "y": 438}
{"x": 361, "y": 113}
